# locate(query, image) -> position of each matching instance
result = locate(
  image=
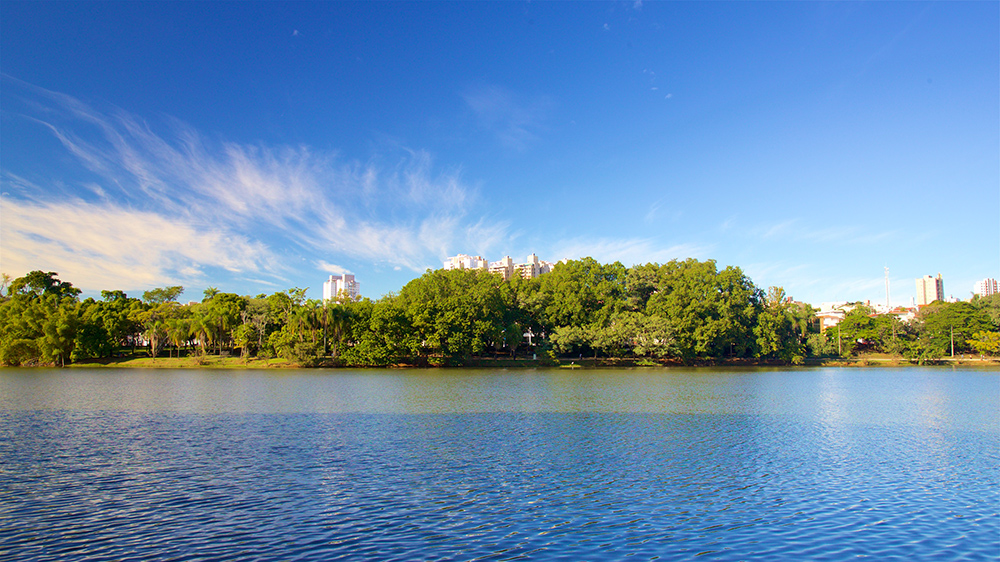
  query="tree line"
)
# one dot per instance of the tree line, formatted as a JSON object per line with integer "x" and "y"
{"x": 683, "y": 310}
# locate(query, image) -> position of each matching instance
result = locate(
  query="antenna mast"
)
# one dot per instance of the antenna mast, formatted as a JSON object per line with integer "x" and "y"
{"x": 888, "y": 306}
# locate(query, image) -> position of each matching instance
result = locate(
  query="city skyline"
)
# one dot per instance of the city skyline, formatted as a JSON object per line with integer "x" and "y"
{"x": 257, "y": 147}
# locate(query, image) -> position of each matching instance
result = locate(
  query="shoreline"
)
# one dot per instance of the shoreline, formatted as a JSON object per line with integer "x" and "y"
{"x": 226, "y": 362}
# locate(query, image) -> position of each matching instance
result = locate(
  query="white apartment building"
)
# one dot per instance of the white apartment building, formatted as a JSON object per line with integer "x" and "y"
{"x": 340, "y": 285}
{"x": 986, "y": 287}
{"x": 505, "y": 267}
{"x": 831, "y": 313}
{"x": 533, "y": 267}
{"x": 462, "y": 261}
{"x": 929, "y": 289}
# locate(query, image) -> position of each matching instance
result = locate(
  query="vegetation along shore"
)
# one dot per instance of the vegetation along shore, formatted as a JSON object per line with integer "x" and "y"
{"x": 583, "y": 313}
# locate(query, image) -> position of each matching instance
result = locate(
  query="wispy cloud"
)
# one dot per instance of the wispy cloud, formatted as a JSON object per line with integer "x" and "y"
{"x": 653, "y": 211}
{"x": 514, "y": 120}
{"x": 779, "y": 229}
{"x": 171, "y": 203}
{"x": 331, "y": 268}
{"x": 799, "y": 230}
{"x": 99, "y": 245}
{"x": 783, "y": 274}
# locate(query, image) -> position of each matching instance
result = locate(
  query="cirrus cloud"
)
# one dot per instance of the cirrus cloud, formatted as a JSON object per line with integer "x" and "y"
{"x": 167, "y": 203}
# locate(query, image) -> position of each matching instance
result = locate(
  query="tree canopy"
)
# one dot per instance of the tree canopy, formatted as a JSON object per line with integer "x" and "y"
{"x": 686, "y": 310}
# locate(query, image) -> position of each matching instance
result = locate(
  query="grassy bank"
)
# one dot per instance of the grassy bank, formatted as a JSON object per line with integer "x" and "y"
{"x": 192, "y": 362}
{"x": 226, "y": 362}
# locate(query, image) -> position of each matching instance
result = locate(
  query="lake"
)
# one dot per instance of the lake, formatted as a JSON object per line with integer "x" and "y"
{"x": 636, "y": 464}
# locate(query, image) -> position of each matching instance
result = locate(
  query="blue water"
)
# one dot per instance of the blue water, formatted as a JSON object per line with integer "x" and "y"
{"x": 823, "y": 464}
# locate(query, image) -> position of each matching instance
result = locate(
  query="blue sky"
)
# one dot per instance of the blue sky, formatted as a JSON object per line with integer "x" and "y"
{"x": 259, "y": 146}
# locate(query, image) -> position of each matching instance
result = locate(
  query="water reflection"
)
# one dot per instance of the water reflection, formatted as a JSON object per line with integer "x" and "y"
{"x": 834, "y": 398}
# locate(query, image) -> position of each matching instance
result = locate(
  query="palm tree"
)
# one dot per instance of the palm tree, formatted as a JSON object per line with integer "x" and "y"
{"x": 306, "y": 319}
{"x": 177, "y": 331}
{"x": 335, "y": 321}
{"x": 202, "y": 329}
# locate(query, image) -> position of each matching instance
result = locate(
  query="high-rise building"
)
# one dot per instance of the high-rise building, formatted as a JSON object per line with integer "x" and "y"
{"x": 533, "y": 267}
{"x": 930, "y": 289}
{"x": 340, "y": 286}
{"x": 986, "y": 287}
{"x": 504, "y": 267}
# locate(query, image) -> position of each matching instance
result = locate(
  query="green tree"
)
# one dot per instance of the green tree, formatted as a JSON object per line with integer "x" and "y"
{"x": 246, "y": 338}
{"x": 642, "y": 282}
{"x": 92, "y": 337}
{"x": 39, "y": 321}
{"x": 282, "y": 342}
{"x": 579, "y": 293}
{"x": 39, "y": 283}
{"x": 820, "y": 345}
{"x": 335, "y": 318}
{"x": 255, "y": 322}
{"x": 161, "y": 295}
{"x": 154, "y": 324}
{"x": 991, "y": 306}
{"x": 777, "y": 333}
{"x": 859, "y": 331}
{"x": 360, "y": 343}
{"x": 178, "y": 332}
{"x": 112, "y": 296}
{"x": 224, "y": 310}
{"x": 942, "y": 325}
{"x": 107, "y": 324}
{"x": 455, "y": 313}
{"x": 633, "y": 333}
{"x": 569, "y": 339}
{"x": 739, "y": 303}
{"x": 202, "y": 327}
{"x": 713, "y": 313}
{"x": 59, "y": 329}
{"x": 985, "y": 343}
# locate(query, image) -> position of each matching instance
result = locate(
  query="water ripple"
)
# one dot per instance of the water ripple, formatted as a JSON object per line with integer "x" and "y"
{"x": 138, "y": 485}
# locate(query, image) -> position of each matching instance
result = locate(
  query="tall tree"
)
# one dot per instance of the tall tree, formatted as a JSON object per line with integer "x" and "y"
{"x": 162, "y": 295}
{"x": 777, "y": 336}
{"x": 455, "y": 313}
{"x": 579, "y": 293}
{"x": 39, "y": 283}
{"x": 154, "y": 323}
{"x": 712, "y": 312}
{"x": 942, "y": 326}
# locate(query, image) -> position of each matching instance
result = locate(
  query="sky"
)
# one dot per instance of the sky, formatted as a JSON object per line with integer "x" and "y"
{"x": 255, "y": 147}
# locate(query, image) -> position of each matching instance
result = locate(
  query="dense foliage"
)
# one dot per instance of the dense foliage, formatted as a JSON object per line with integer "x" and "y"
{"x": 685, "y": 310}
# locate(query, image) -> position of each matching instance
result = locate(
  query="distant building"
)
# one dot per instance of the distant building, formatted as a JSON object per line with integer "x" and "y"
{"x": 829, "y": 318}
{"x": 340, "y": 286}
{"x": 986, "y": 287}
{"x": 831, "y": 313}
{"x": 462, "y": 261}
{"x": 903, "y": 313}
{"x": 505, "y": 267}
{"x": 929, "y": 289}
{"x": 533, "y": 267}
